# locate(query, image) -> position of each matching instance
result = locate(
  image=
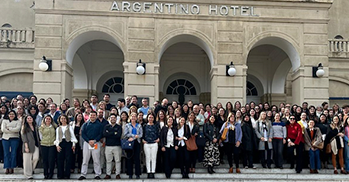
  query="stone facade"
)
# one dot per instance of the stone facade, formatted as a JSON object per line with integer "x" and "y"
{"x": 273, "y": 44}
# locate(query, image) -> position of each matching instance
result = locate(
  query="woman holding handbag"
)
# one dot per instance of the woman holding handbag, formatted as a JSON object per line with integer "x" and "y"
{"x": 313, "y": 140}
{"x": 231, "y": 137}
{"x": 133, "y": 133}
{"x": 183, "y": 153}
{"x": 334, "y": 138}
{"x": 193, "y": 129}
{"x": 211, "y": 154}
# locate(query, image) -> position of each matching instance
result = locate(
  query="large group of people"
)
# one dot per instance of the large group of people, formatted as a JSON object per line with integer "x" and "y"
{"x": 167, "y": 135}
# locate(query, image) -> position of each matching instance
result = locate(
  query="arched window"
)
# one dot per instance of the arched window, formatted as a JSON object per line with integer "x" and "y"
{"x": 338, "y": 37}
{"x": 5, "y": 33}
{"x": 181, "y": 87}
{"x": 6, "y": 25}
{"x": 251, "y": 90}
{"x": 114, "y": 85}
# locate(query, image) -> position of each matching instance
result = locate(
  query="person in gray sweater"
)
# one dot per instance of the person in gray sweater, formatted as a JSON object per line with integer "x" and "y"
{"x": 279, "y": 139}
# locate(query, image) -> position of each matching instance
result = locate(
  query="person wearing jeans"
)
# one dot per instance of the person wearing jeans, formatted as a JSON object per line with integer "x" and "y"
{"x": 279, "y": 134}
{"x": 151, "y": 139}
{"x": 10, "y": 128}
{"x": 313, "y": 136}
{"x": 112, "y": 133}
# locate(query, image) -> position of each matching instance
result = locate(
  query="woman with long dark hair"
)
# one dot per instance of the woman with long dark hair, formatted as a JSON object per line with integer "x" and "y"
{"x": 335, "y": 139}
{"x": 151, "y": 138}
{"x": 169, "y": 145}
{"x": 65, "y": 144}
{"x": 3, "y": 113}
{"x": 77, "y": 155}
{"x": 10, "y": 128}
{"x": 47, "y": 132}
{"x": 31, "y": 144}
{"x": 248, "y": 142}
{"x": 324, "y": 128}
{"x": 211, "y": 154}
{"x": 193, "y": 129}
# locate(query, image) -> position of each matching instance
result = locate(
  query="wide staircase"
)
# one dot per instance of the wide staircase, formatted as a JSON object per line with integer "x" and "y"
{"x": 260, "y": 174}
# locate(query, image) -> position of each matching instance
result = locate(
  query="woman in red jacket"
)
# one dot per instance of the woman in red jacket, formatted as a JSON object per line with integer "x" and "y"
{"x": 295, "y": 141}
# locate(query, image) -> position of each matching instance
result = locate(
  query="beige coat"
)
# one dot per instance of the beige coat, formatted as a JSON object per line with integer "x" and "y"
{"x": 307, "y": 140}
{"x": 28, "y": 137}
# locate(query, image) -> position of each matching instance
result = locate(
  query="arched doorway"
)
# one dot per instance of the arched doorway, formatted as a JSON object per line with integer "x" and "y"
{"x": 96, "y": 61}
{"x": 270, "y": 61}
{"x": 184, "y": 70}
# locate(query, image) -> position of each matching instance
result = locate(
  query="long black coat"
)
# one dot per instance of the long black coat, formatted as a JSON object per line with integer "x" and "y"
{"x": 249, "y": 139}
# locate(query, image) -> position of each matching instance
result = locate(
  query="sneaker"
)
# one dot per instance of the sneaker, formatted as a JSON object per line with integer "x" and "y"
{"x": 97, "y": 177}
{"x": 246, "y": 167}
{"x": 82, "y": 178}
{"x": 254, "y": 167}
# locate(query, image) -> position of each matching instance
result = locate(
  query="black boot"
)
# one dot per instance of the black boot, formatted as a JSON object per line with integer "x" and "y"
{"x": 209, "y": 170}
{"x": 212, "y": 170}
{"x": 149, "y": 175}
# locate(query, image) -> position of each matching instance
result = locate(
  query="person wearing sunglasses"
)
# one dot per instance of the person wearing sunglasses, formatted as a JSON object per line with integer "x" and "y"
{"x": 295, "y": 141}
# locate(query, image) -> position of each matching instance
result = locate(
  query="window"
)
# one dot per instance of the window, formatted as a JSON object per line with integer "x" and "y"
{"x": 6, "y": 25}
{"x": 181, "y": 87}
{"x": 114, "y": 85}
{"x": 251, "y": 90}
{"x": 5, "y": 33}
{"x": 338, "y": 37}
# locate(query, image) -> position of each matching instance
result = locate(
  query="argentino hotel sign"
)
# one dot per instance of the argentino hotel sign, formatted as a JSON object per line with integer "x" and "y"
{"x": 184, "y": 9}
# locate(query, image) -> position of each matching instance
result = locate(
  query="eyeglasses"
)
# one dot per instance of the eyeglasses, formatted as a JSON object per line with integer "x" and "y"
{"x": 292, "y": 118}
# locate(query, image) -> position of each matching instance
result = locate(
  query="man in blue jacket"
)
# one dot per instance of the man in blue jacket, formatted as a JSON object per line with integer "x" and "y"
{"x": 91, "y": 132}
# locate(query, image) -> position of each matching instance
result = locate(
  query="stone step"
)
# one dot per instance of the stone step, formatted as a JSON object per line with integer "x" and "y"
{"x": 201, "y": 177}
{"x": 218, "y": 170}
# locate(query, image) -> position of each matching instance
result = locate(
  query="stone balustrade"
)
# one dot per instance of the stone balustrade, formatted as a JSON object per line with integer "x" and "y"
{"x": 16, "y": 38}
{"x": 338, "y": 48}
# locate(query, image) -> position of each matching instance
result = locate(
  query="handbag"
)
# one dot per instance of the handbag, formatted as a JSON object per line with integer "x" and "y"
{"x": 225, "y": 132}
{"x": 191, "y": 144}
{"x": 318, "y": 145}
{"x": 127, "y": 145}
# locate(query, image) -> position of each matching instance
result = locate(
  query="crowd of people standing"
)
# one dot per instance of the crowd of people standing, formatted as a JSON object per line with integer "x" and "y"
{"x": 167, "y": 135}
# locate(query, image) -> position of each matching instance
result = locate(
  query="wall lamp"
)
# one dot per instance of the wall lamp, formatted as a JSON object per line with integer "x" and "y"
{"x": 230, "y": 69}
{"x": 140, "y": 69}
{"x": 318, "y": 71}
{"x": 45, "y": 65}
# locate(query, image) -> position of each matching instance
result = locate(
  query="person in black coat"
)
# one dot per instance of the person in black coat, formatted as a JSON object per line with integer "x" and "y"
{"x": 183, "y": 153}
{"x": 212, "y": 135}
{"x": 249, "y": 143}
{"x": 169, "y": 145}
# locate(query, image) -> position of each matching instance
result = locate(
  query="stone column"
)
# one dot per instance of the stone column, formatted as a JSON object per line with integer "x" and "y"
{"x": 48, "y": 42}
{"x": 228, "y": 88}
{"x": 146, "y": 85}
